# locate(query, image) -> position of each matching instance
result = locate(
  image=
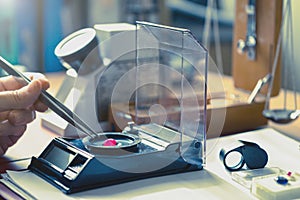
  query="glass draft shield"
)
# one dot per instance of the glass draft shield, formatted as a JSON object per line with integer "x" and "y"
{"x": 171, "y": 74}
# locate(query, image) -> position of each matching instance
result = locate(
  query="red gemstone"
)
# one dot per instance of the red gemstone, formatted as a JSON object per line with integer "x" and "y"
{"x": 110, "y": 142}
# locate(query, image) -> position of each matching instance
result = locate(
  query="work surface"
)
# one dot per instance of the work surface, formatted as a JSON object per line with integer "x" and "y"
{"x": 214, "y": 182}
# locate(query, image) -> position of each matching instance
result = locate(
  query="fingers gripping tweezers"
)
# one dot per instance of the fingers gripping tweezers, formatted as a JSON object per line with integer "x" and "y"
{"x": 50, "y": 101}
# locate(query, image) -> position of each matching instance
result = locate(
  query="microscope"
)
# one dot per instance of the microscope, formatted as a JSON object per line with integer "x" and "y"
{"x": 93, "y": 69}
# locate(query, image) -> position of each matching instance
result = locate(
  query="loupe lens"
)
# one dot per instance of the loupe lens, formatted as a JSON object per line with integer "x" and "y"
{"x": 234, "y": 160}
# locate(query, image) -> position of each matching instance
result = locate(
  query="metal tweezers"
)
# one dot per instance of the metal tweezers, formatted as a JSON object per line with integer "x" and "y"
{"x": 52, "y": 103}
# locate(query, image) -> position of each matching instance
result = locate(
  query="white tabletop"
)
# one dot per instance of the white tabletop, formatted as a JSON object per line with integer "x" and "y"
{"x": 213, "y": 182}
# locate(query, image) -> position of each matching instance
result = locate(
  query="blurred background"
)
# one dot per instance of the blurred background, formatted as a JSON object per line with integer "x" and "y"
{"x": 31, "y": 29}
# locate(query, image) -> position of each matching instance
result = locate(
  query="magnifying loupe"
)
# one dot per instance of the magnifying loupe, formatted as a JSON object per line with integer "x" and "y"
{"x": 242, "y": 152}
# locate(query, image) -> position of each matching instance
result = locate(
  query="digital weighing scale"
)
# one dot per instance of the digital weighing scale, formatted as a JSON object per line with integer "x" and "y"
{"x": 167, "y": 133}
{"x": 70, "y": 167}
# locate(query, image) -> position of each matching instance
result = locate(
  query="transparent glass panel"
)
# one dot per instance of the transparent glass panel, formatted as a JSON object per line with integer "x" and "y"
{"x": 171, "y": 73}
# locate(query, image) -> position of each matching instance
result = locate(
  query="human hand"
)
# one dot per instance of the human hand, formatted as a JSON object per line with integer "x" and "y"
{"x": 18, "y": 103}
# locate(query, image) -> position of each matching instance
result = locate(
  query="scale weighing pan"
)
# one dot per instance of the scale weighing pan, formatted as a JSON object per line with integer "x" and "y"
{"x": 112, "y": 143}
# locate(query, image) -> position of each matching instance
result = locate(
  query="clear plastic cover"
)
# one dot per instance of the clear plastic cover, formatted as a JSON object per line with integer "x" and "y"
{"x": 171, "y": 74}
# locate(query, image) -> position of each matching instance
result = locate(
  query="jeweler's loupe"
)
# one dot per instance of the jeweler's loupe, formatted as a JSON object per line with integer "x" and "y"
{"x": 242, "y": 152}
